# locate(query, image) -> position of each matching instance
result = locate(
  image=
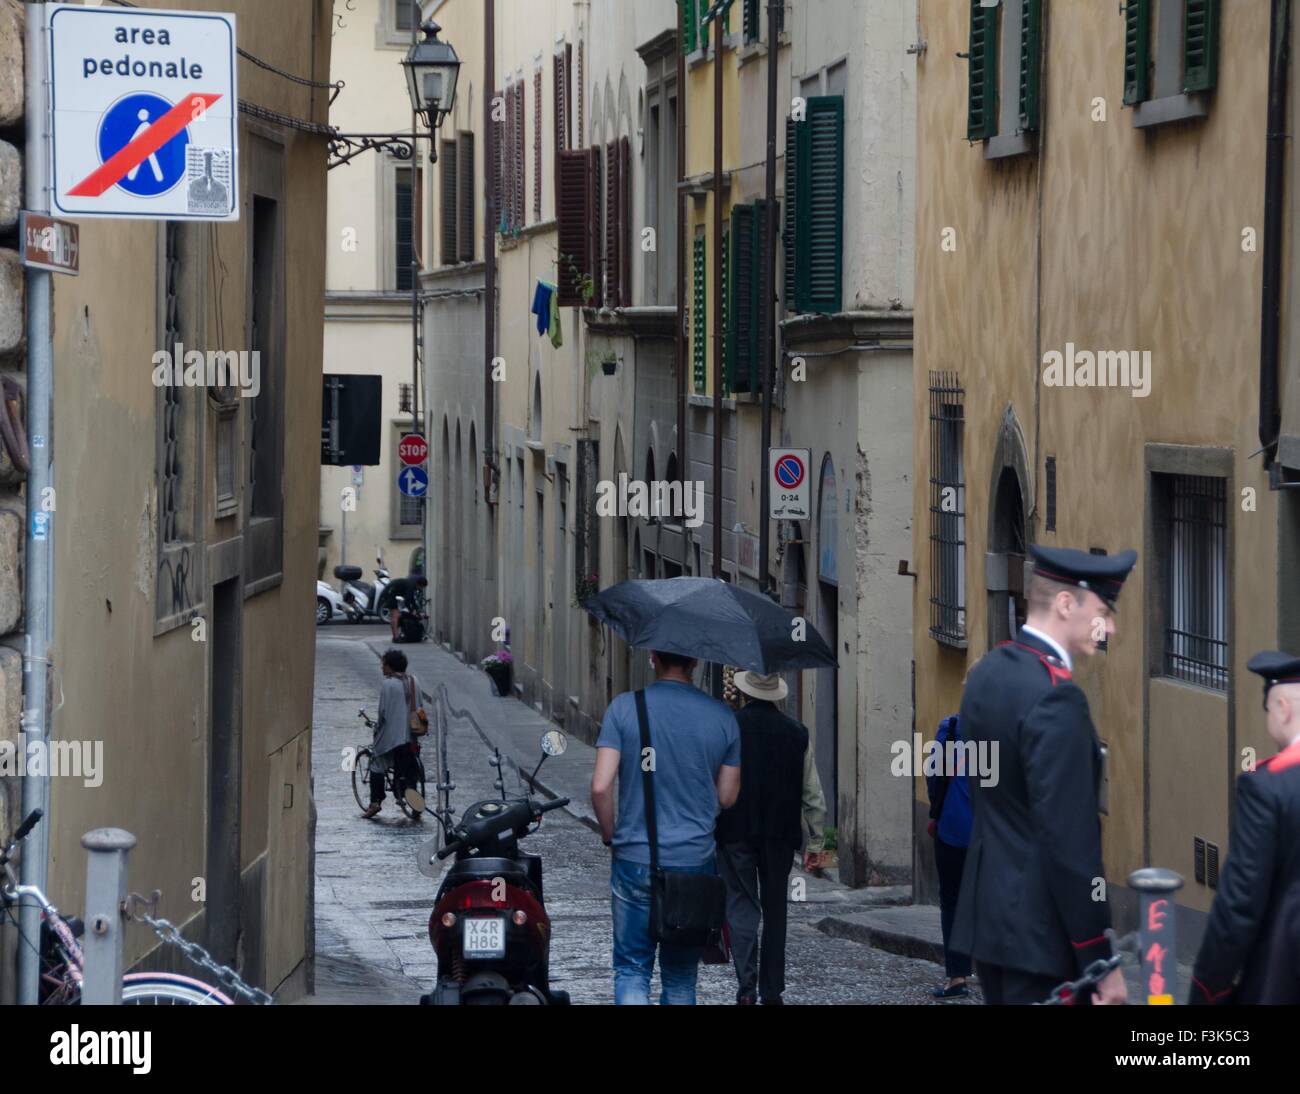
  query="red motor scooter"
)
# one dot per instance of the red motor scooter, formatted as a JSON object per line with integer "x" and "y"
{"x": 489, "y": 925}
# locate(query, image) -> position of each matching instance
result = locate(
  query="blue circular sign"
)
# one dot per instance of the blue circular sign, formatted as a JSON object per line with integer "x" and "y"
{"x": 127, "y": 119}
{"x": 789, "y": 471}
{"x": 413, "y": 481}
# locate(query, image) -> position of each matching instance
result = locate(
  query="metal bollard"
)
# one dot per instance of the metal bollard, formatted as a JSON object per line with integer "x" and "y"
{"x": 1157, "y": 932}
{"x": 105, "y": 894}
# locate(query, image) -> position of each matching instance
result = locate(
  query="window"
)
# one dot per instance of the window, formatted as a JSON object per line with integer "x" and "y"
{"x": 1191, "y": 534}
{"x": 618, "y": 186}
{"x": 537, "y": 142}
{"x": 748, "y": 313}
{"x": 947, "y": 511}
{"x": 397, "y": 22}
{"x": 1171, "y": 56}
{"x": 512, "y": 210}
{"x": 175, "y": 522}
{"x": 755, "y": 19}
{"x": 695, "y": 31}
{"x": 407, "y": 14}
{"x": 577, "y": 212}
{"x": 560, "y": 66}
{"x": 660, "y": 204}
{"x": 1004, "y": 73}
{"x": 456, "y": 193}
{"x": 699, "y": 315}
{"x": 404, "y": 217}
{"x": 814, "y": 206}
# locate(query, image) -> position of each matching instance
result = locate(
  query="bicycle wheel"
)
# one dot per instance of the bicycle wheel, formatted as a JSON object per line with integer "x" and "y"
{"x": 361, "y": 778}
{"x": 402, "y": 803}
{"x": 165, "y": 989}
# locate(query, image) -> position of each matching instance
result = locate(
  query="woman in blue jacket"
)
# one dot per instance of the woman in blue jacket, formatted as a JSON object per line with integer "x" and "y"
{"x": 950, "y": 825}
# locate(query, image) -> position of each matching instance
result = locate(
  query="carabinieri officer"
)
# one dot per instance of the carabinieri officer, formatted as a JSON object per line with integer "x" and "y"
{"x": 1251, "y": 949}
{"x": 1029, "y": 912}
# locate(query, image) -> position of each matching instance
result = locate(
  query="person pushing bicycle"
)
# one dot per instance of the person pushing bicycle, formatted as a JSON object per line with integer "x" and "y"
{"x": 399, "y": 699}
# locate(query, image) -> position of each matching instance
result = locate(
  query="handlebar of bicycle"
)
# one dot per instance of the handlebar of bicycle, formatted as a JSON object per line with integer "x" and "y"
{"x": 477, "y": 832}
{"x": 20, "y": 834}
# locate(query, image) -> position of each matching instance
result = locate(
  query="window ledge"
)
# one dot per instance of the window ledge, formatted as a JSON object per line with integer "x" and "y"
{"x": 1012, "y": 144}
{"x": 749, "y": 51}
{"x": 1172, "y": 108}
{"x": 705, "y": 402}
{"x": 948, "y": 640}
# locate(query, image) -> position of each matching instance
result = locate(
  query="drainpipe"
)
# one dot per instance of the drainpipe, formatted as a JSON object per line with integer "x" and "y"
{"x": 1270, "y": 417}
{"x": 683, "y": 463}
{"x": 489, "y": 246}
{"x": 719, "y": 345}
{"x": 767, "y": 363}
{"x": 40, "y": 524}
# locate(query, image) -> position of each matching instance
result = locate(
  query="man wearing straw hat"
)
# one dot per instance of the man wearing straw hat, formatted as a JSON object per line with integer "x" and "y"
{"x": 780, "y": 803}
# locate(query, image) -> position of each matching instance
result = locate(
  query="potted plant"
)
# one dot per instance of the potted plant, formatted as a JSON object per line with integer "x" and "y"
{"x": 499, "y": 666}
{"x": 587, "y": 587}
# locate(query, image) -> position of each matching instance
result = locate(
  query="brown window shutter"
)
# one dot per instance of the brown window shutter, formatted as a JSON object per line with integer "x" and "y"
{"x": 561, "y": 101}
{"x": 574, "y": 203}
{"x": 625, "y": 222}
{"x": 581, "y": 92}
{"x": 595, "y": 239}
{"x": 613, "y": 222}
{"x": 448, "y": 183}
{"x": 512, "y": 122}
{"x": 521, "y": 191}
{"x": 537, "y": 144}
{"x": 465, "y": 196}
{"x": 417, "y": 218}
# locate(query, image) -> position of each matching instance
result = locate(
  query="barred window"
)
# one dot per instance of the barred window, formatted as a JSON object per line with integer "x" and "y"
{"x": 403, "y": 227}
{"x": 947, "y": 510}
{"x": 1192, "y": 537}
{"x": 169, "y": 473}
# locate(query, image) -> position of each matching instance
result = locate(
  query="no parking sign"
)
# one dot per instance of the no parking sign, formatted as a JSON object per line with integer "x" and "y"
{"x": 145, "y": 113}
{"x": 788, "y": 469}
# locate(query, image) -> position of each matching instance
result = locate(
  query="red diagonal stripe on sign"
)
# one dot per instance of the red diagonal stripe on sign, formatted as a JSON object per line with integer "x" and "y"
{"x": 114, "y": 169}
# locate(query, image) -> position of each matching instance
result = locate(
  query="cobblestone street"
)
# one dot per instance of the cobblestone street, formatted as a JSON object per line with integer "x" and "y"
{"x": 372, "y": 904}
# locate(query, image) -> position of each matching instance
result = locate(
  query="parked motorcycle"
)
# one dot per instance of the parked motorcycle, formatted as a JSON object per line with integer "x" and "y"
{"x": 361, "y": 598}
{"x": 489, "y": 925}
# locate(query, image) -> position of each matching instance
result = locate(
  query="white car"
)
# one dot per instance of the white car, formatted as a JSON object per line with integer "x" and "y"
{"x": 329, "y": 604}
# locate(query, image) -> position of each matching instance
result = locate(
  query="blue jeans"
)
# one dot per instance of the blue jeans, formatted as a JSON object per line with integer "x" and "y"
{"x": 634, "y": 952}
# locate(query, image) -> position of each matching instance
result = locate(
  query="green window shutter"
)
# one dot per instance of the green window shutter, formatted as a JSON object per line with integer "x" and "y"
{"x": 1200, "y": 44}
{"x": 819, "y": 200}
{"x": 702, "y": 11}
{"x": 982, "y": 104}
{"x": 699, "y": 317}
{"x": 787, "y": 223}
{"x": 750, "y": 20}
{"x": 1031, "y": 61}
{"x": 728, "y": 331}
{"x": 690, "y": 21}
{"x": 1137, "y": 51}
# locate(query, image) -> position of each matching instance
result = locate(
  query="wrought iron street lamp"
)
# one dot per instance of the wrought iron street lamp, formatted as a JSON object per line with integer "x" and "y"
{"x": 431, "y": 71}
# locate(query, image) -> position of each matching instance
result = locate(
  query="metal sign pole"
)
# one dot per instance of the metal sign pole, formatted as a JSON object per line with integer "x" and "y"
{"x": 39, "y": 545}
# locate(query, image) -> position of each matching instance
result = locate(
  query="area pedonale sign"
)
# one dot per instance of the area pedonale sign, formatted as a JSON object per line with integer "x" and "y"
{"x": 144, "y": 113}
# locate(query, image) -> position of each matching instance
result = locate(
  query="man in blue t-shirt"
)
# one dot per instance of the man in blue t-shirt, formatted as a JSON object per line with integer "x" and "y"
{"x": 695, "y": 753}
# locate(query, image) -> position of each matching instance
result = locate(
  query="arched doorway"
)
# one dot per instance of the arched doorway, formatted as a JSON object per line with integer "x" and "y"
{"x": 1008, "y": 533}
{"x": 828, "y": 618}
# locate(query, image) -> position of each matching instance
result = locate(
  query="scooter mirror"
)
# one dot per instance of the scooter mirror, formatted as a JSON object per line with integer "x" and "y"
{"x": 554, "y": 742}
{"x": 426, "y": 859}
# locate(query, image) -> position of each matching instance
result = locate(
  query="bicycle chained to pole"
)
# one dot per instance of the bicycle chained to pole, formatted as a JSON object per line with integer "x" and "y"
{"x": 63, "y": 960}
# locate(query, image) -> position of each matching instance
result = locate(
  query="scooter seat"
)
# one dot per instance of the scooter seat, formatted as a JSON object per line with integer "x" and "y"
{"x": 485, "y": 869}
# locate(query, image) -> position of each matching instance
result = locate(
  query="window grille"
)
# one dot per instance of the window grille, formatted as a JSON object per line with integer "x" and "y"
{"x": 947, "y": 510}
{"x": 1193, "y": 540}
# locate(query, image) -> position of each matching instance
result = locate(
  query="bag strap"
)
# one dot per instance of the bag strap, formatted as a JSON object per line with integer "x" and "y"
{"x": 643, "y": 720}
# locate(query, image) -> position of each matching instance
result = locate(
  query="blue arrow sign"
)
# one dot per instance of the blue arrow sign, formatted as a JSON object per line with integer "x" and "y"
{"x": 413, "y": 481}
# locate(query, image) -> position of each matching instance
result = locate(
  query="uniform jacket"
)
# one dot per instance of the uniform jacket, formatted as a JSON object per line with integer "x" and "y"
{"x": 1027, "y": 892}
{"x": 1250, "y": 952}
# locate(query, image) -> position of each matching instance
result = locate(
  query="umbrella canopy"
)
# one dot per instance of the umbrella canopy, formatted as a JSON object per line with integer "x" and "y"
{"x": 712, "y": 620}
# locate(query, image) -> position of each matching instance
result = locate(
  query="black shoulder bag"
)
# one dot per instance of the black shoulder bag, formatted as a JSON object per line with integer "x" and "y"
{"x": 685, "y": 909}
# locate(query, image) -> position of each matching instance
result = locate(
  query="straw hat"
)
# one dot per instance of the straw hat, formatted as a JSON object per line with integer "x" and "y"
{"x": 762, "y": 685}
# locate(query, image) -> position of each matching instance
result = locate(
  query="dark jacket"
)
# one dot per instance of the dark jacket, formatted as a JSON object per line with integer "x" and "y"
{"x": 1250, "y": 952}
{"x": 770, "y": 806}
{"x": 1027, "y": 891}
{"x": 950, "y": 792}
{"x": 405, "y": 587}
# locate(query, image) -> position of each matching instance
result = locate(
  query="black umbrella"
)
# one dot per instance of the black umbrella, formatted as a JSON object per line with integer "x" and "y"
{"x": 712, "y": 620}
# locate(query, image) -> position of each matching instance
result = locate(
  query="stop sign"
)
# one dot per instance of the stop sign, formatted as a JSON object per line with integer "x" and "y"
{"x": 413, "y": 449}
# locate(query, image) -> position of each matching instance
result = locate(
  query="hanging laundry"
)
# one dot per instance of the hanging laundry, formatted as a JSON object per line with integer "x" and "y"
{"x": 557, "y": 335}
{"x": 543, "y": 296}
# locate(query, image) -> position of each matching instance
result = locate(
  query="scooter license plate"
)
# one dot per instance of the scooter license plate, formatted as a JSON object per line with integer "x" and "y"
{"x": 485, "y": 936}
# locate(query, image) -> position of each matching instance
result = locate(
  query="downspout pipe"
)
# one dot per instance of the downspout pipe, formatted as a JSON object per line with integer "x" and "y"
{"x": 1270, "y": 414}
{"x": 39, "y": 561}
{"x": 768, "y": 315}
{"x": 489, "y": 247}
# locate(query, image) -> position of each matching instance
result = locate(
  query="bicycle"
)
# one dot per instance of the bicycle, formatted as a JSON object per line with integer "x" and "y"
{"x": 361, "y": 776}
{"x": 63, "y": 963}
